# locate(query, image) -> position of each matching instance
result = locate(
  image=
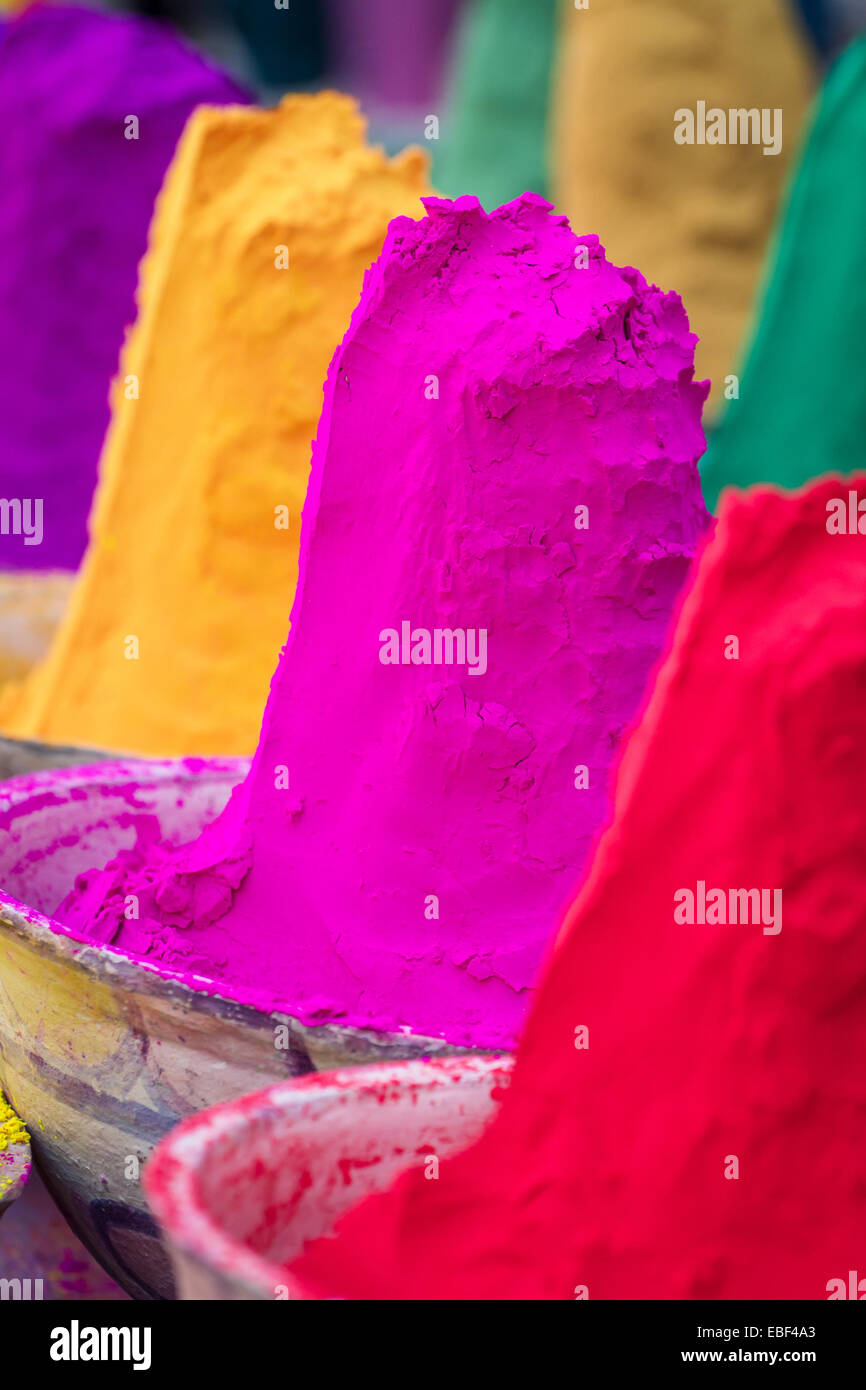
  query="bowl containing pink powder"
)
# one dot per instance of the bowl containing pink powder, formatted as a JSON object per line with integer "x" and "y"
{"x": 105, "y": 1050}
{"x": 240, "y": 1189}
{"x": 503, "y": 506}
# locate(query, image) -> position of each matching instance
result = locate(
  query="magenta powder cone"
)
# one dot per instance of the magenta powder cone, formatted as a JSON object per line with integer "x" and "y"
{"x": 502, "y": 508}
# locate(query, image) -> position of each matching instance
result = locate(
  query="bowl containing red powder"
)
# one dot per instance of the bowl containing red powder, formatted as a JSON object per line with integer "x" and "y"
{"x": 107, "y": 1049}
{"x": 240, "y": 1189}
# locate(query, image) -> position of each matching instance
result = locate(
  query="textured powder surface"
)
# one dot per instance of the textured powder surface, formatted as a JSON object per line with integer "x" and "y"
{"x": 12, "y": 1130}
{"x": 694, "y": 216}
{"x": 494, "y": 139}
{"x": 77, "y": 199}
{"x": 408, "y": 874}
{"x": 190, "y": 552}
{"x": 610, "y": 1164}
{"x": 802, "y": 412}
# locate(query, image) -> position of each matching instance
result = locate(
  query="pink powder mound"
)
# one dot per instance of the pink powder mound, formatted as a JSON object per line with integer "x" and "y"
{"x": 498, "y": 373}
{"x": 687, "y": 1116}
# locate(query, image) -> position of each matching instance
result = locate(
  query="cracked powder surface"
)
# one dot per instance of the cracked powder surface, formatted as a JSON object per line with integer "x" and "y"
{"x": 508, "y": 446}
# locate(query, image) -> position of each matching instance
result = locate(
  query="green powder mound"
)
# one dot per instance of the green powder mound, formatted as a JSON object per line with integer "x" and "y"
{"x": 801, "y": 412}
{"x": 494, "y": 139}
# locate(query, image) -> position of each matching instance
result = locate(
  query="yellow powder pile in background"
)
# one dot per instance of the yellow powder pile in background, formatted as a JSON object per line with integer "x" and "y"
{"x": 695, "y": 218}
{"x": 12, "y": 1129}
{"x": 262, "y": 233}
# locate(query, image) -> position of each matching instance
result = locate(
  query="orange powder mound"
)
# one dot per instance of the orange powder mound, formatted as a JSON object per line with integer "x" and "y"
{"x": 262, "y": 233}
{"x": 697, "y": 217}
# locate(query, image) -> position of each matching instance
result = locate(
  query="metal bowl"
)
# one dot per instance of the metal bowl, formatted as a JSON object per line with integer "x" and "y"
{"x": 239, "y": 1189}
{"x": 20, "y": 755}
{"x": 102, "y": 1053}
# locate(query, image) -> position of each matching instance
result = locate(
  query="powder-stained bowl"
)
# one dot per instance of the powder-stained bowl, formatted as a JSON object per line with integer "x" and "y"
{"x": 102, "y": 1054}
{"x": 239, "y": 1189}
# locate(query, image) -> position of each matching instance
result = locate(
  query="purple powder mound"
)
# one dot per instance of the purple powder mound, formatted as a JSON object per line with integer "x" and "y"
{"x": 77, "y": 199}
{"x": 464, "y": 637}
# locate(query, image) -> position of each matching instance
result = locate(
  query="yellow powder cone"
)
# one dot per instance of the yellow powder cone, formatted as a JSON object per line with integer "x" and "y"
{"x": 694, "y": 218}
{"x": 183, "y": 600}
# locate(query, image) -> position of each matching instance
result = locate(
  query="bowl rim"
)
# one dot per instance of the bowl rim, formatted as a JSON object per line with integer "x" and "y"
{"x": 53, "y": 939}
{"x": 105, "y": 965}
{"x": 170, "y": 1177}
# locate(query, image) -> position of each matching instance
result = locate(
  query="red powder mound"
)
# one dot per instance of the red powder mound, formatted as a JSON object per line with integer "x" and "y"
{"x": 705, "y": 1136}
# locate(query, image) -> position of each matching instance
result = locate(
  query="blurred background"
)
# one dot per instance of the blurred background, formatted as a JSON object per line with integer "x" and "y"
{"x": 404, "y": 58}
{"x": 391, "y": 54}
{"x": 573, "y": 99}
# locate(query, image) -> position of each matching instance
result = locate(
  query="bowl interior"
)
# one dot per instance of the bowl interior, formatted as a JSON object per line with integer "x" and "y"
{"x": 105, "y": 1053}
{"x": 241, "y": 1188}
{"x": 55, "y": 825}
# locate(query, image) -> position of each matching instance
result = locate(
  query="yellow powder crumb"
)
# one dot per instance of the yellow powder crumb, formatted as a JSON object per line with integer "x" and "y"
{"x": 12, "y": 1130}
{"x": 262, "y": 233}
{"x": 693, "y": 218}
